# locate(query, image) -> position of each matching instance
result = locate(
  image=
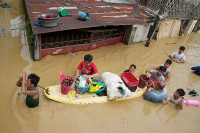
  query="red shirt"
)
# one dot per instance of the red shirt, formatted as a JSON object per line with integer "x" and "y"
{"x": 88, "y": 70}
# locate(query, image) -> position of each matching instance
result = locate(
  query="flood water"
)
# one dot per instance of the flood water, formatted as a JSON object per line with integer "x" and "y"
{"x": 127, "y": 116}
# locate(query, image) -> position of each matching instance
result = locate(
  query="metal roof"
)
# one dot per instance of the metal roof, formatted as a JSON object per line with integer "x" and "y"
{"x": 100, "y": 12}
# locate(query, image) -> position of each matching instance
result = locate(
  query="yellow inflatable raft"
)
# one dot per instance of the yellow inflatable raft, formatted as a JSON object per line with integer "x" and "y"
{"x": 54, "y": 93}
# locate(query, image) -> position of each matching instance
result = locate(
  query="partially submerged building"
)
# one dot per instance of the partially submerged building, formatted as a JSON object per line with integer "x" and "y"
{"x": 181, "y": 17}
{"x": 109, "y": 23}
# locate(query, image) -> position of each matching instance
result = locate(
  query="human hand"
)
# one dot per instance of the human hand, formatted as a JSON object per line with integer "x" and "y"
{"x": 24, "y": 72}
{"x": 147, "y": 84}
{"x": 85, "y": 76}
{"x": 164, "y": 102}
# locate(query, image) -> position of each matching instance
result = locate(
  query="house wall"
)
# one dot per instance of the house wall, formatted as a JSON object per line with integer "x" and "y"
{"x": 136, "y": 33}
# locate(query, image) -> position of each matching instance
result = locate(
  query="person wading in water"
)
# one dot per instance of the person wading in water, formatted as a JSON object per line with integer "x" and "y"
{"x": 29, "y": 88}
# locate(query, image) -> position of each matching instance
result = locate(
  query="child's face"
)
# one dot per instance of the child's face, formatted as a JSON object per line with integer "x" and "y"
{"x": 176, "y": 94}
{"x": 166, "y": 65}
{"x": 87, "y": 63}
{"x": 132, "y": 69}
{"x": 160, "y": 72}
{"x": 181, "y": 51}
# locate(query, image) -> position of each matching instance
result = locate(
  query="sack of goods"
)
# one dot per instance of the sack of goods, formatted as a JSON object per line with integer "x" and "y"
{"x": 115, "y": 86}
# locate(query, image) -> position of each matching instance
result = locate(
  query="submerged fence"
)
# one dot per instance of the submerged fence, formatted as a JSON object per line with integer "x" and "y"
{"x": 12, "y": 30}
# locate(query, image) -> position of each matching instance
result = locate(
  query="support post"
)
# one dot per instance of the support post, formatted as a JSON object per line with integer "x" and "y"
{"x": 36, "y": 48}
{"x": 156, "y": 23}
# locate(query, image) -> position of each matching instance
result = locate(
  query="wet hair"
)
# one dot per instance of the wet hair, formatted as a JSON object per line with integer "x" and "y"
{"x": 34, "y": 79}
{"x": 168, "y": 61}
{"x": 132, "y": 65}
{"x": 182, "y": 48}
{"x": 162, "y": 68}
{"x": 88, "y": 57}
{"x": 181, "y": 92}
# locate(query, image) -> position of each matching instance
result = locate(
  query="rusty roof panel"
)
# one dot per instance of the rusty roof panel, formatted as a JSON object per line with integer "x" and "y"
{"x": 101, "y": 14}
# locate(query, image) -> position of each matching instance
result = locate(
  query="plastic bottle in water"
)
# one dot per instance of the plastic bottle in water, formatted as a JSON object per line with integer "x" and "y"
{"x": 191, "y": 102}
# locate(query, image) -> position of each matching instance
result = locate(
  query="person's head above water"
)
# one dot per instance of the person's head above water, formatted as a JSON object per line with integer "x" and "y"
{"x": 161, "y": 70}
{"x": 32, "y": 80}
{"x": 181, "y": 49}
{"x": 160, "y": 85}
{"x": 132, "y": 68}
{"x": 168, "y": 62}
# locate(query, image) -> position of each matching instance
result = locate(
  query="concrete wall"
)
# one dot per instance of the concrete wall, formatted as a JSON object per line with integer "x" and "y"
{"x": 136, "y": 33}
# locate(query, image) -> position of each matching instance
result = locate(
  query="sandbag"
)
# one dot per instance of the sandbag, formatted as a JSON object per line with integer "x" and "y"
{"x": 115, "y": 86}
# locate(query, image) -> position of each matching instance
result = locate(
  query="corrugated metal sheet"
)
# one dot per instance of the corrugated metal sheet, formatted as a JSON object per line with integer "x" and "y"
{"x": 101, "y": 14}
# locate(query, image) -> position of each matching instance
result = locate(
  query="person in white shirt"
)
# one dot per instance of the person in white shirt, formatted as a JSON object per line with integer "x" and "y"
{"x": 176, "y": 98}
{"x": 168, "y": 71}
{"x": 178, "y": 57}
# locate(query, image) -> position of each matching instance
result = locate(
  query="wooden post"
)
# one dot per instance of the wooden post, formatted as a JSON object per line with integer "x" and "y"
{"x": 156, "y": 23}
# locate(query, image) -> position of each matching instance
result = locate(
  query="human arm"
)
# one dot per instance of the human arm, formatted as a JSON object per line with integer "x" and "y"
{"x": 165, "y": 101}
{"x": 195, "y": 68}
{"x": 91, "y": 76}
{"x": 182, "y": 61}
{"x": 168, "y": 76}
{"x": 147, "y": 91}
{"x": 77, "y": 72}
{"x": 180, "y": 106}
{"x": 148, "y": 71}
{"x": 23, "y": 89}
{"x": 171, "y": 57}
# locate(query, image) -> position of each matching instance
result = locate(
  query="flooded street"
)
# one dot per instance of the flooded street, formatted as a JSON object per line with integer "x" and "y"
{"x": 135, "y": 115}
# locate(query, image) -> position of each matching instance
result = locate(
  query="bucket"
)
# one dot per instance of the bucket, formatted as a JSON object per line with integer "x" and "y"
{"x": 66, "y": 83}
{"x": 143, "y": 79}
{"x": 83, "y": 16}
{"x": 62, "y": 11}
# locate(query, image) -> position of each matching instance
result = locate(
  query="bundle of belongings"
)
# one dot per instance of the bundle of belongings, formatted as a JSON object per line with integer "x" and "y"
{"x": 115, "y": 86}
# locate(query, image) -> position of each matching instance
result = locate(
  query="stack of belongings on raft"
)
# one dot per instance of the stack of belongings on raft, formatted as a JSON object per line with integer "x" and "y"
{"x": 115, "y": 86}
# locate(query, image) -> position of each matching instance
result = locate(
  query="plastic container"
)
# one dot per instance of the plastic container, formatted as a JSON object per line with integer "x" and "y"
{"x": 143, "y": 79}
{"x": 48, "y": 19}
{"x": 129, "y": 79}
{"x": 97, "y": 82}
{"x": 191, "y": 102}
{"x": 65, "y": 88}
{"x": 62, "y": 11}
{"x": 79, "y": 89}
{"x": 83, "y": 16}
{"x": 48, "y": 16}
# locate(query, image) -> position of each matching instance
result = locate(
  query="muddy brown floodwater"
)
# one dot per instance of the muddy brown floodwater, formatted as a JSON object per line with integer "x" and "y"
{"x": 128, "y": 116}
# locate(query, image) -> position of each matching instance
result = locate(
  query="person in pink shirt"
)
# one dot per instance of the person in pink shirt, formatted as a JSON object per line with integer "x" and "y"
{"x": 87, "y": 68}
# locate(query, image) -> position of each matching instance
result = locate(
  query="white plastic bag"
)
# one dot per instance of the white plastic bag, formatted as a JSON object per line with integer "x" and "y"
{"x": 114, "y": 84}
